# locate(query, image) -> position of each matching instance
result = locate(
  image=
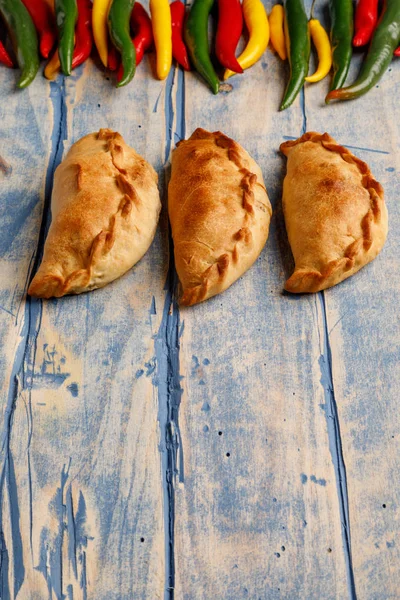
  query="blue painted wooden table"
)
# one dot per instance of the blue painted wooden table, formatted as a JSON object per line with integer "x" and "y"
{"x": 245, "y": 448}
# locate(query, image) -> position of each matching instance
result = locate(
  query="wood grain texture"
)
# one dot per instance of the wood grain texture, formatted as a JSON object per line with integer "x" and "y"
{"x": 363, "y": 329}
{"x": 257, "y": 514}
{"x": 23, "y": 177}
{"x": 83, "y": 493}
{"x": 244, "y": 448}
{"x": 25, "y": 151}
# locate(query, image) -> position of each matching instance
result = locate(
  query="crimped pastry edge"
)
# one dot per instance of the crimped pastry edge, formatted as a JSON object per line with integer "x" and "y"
{"x": 52, "y": 285}
{"x": 303, "y": 280}
{"x": 213, "y": 277}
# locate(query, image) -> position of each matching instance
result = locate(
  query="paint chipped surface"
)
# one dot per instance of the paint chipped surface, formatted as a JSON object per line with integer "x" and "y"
{"x": 80, "y": 462}
{"x": 149, "y": 452}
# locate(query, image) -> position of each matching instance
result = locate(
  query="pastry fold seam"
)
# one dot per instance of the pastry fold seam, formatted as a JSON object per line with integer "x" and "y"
{"x": 101, "y": 245}
{"x": 216, "y": 272}
{"x": 364, "y": 243}
{"x": 95, "y": 189}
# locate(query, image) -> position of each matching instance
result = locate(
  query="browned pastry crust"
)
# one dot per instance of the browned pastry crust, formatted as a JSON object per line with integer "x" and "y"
{"x": 334, "y": 209}
{"x": 105, "y": 208}
{"x": 219, "y": 212}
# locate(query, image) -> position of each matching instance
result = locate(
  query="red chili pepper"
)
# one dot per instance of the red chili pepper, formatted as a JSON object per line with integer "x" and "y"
{"x": 397, "y": 51}
{"x": 113, "y": 58}
{"x": 43, "y": 20}
{"x": 365, "y": 21}
{"x": 5, "y": 58}
{"x": 141, "y": 25}
{"x": 179, "y": 51}
{"x": 229, "y": 30}
{"x": 83, "y": 33}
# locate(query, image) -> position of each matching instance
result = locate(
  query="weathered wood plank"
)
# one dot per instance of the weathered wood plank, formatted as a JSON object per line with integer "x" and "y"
{"x": 363, "y": 330}
{"x": 81, "y": 473}
{"x": 257, "y": 514}
{"x": 25, "y": 150}
{"x": 84, "y": 466}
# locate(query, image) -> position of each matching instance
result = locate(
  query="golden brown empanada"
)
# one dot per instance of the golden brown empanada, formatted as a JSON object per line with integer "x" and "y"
{"x": 335, "y": 214}
{"x": 105, "y": 207}
{"x": 219, "y": 212}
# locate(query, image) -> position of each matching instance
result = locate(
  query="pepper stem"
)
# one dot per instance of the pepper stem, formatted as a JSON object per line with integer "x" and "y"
{"x": 312, "y": 10}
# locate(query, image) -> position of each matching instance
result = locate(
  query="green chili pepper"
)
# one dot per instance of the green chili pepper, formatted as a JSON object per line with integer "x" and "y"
{"x": 196, "y": 38}
{"x": 341, "y": 39}
{"x": 380, "y": 54}
{"x": 119, "y": 16}
{"x": 24, "y": 37}
{"x": 66, "y": 16}
{"x": 298, "y": 46}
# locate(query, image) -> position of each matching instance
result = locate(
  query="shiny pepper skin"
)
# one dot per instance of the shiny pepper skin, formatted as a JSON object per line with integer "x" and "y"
{"x": 324, "y": 51}
{"x": 196, "y": 38}
{"x": 179, "y": 51}
{"x": 257, "y": 24}
{"x": 276, "y": 19}
{"x": 229, "y": 30}
{"x": 83, "y": 33}
{"x": 162, "y": 33}
{"x": 298, "y": 46}
{"x": 66, "y": 17}
{"x": 100, "y": 28}
{"x": 379, "y": 56}
{"x": 142, "y": 40}
{"x": 43, "y": 20}
{"x": 365, "y": 21}
{"x": 341, "y": 13}
{"x": 119, "y": 15}
{"x": 23, "y": 33}
{"x": 83, "y": 41}
{"x": 141, "y": 25}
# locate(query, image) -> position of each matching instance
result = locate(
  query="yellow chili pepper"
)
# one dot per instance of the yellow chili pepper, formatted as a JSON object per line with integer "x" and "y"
{"x": 256, "y": 21}
{"x": 276, "y": 19}
{"x": 162, "y": 33}
{"x": 100, "y": 28}
{"x": 52, "y": 68}
{"x": 324, "y": 50}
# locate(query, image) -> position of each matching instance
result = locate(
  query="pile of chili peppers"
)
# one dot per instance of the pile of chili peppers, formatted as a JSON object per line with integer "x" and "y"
{"x": 383, "y": 35}
{"x": 291, "y": 32}
{"x": 65, "y": 31}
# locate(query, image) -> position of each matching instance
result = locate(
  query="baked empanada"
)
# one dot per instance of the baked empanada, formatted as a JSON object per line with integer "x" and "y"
{"x": 219, "y": 212}
{"x": 105, "y": 207}
{"x": 335, "y": 215}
